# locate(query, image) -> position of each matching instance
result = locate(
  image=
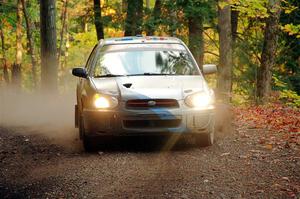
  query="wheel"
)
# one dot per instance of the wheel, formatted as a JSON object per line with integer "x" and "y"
{"x": 88, "y": 144}
{"x": 87, "y": 141}
{"x": 81, "y": 127}
{"x": 206, "y": 139}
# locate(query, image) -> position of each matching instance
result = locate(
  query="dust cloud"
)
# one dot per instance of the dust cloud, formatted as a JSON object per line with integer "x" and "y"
{"x": 52, "y": 116}
{"x": 224, "y": 121}
{"x": 47, "y": 115}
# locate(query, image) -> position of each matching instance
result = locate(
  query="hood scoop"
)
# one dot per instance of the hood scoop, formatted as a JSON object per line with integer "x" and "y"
{"x": 127, "y": 85}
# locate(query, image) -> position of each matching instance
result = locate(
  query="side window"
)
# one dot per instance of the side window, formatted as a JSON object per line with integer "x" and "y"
{"x": 99, "y": 68}
{"x": 90, "y": 59}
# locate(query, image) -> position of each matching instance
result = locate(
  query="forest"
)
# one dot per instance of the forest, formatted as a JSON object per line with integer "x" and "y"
{"x": 255, "y": 43}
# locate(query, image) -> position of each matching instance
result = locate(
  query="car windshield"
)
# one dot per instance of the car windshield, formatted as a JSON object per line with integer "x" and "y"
{"x": 144, "y": 59}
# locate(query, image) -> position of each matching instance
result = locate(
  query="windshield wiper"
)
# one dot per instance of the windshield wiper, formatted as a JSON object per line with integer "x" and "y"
{"x": 150, "y": 74}
{"x": 108, "y": 75}
{"x": 138, "y": 74}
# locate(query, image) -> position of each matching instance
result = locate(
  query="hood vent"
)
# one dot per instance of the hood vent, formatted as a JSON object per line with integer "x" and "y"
{"x": 151, "y": 103}
{"x": 127, "y": 85}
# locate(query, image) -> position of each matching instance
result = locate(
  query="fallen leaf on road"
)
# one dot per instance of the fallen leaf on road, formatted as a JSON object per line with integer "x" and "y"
{"x": 243, "y": 156}
{"x": 225, "y": 154}
{"x": 286, "y": 178}
{"x": 269, "y": 146}
{"x": 259, "y": 191}
{"x": 255, "y": 151}
{"x": 279, "y": 123}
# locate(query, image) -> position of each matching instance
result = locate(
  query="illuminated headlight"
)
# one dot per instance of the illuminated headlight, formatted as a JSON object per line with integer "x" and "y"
{"x": 103, "y": 102}
{"x": 200, "y": 100}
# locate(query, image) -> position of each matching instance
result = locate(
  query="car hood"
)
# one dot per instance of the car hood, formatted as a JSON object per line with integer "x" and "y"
{"x": 150, "y": 87}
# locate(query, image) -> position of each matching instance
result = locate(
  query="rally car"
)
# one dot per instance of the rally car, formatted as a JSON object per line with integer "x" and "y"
{"x": 139, "y": 86}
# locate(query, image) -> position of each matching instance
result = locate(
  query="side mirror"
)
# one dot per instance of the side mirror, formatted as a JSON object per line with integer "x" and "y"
{"x": 79, "y": 72}
{"x": 209, "y": 69}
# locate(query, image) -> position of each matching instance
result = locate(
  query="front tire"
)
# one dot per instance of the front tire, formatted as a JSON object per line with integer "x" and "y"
{"x": 206, "y": 139}
{"x": 88, "y": 143}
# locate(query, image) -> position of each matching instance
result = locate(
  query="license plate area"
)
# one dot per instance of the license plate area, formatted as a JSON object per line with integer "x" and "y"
{"x": 152, "y": 121}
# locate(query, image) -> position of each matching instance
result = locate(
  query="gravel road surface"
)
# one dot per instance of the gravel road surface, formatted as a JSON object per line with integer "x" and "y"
{"x": 236, "y": 166}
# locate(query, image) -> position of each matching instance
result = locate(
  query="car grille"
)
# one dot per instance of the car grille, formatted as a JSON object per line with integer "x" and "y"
{"x": 151, "y": 103}
{"x": 152, "y": 123}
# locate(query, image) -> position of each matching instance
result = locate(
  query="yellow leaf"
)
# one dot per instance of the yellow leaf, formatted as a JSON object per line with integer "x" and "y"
{"x": 223, "y": 4}
{"x": 269, "y": 146}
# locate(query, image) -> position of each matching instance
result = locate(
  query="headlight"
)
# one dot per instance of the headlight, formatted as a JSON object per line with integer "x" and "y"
{"x": 200, "y": 100}
{"x": 103, "y": 102}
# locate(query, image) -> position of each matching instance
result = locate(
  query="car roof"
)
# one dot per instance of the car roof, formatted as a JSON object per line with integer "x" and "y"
{"x": 140, "y": 39}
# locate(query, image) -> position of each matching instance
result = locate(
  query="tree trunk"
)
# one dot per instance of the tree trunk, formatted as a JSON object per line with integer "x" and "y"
{"x": 16, "y": 69}
{"x": 48, "y": 45}
{"x": 19, "y": 53}
{"x": 67, "y": 46}
{"x": 67, "y": 49}
{"x": 264, "y": 75}
{"x": 196, "y": 42}
{"x": 225, "y": 51}
{"x": 124, "y": 5}
{"x": 4, "y": 60}
{"x": 234, "y": 33}
{"x": 234, "y": 24}
{"x": 148, "y": 4}
{"x": 30, "y": 43}
{"x": 155, "y": 17}
{"x": 98, "y": 19}
{"x": 173, "y": 26}
{"x": 134, "y": 19}
{"x": 64, "y": 67}
{"x": 85, "y": 24}
{"x": 64, "y": 16}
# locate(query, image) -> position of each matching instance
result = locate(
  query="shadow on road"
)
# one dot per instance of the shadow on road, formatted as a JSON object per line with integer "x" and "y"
{"x": 143, "y": 144}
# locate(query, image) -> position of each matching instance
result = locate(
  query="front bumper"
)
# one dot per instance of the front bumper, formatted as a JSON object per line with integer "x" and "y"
{"x": 147, "y": 122}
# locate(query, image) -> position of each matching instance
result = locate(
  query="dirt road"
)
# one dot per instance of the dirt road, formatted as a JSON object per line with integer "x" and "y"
{"x": 34, "y": 166}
